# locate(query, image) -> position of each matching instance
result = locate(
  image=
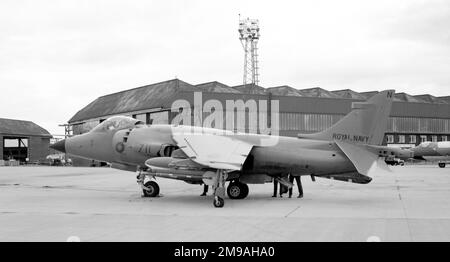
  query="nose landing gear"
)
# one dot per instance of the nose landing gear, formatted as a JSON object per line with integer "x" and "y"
{"x": 149, "y": 188}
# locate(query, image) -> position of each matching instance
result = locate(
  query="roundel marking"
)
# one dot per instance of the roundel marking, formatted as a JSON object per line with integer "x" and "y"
{"x": 120, "y": 147}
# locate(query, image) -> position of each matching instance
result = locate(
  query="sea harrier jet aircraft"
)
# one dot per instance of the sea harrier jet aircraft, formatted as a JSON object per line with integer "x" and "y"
{"x": 346, "y": 151}
{"x": 433, "y": 151}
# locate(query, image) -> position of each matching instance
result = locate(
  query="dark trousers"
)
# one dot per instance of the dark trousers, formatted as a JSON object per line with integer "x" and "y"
{"x": 299, "y": 184}
{"x": 283, "y": 188}
{"x": 205, "y": 189}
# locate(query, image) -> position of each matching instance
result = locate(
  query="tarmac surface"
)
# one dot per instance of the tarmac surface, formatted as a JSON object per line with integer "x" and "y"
{"x": 101, "y": 204}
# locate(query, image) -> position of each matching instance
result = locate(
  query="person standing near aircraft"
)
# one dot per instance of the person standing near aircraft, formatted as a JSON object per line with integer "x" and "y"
{"x": 205, "y": 190}
{"x": 283, "y": 188}
{"x": 275, "y": 187}
{"x": 299, "y": 185}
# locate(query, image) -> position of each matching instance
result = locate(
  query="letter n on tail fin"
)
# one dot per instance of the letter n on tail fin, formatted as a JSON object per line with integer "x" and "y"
{"x": 365, "y": 124}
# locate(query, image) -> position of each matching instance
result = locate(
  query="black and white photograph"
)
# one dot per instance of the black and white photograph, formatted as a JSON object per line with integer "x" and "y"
{"x": 258, "y": 122}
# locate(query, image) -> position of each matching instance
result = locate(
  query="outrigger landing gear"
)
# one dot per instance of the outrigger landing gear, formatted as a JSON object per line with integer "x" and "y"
{"x": 219, "y": 188}
{"x": 149, "y": 188}
{"x": 218, "y": 201}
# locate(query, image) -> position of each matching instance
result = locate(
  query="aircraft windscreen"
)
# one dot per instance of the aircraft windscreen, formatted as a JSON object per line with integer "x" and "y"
{"x": 117, "y": 123}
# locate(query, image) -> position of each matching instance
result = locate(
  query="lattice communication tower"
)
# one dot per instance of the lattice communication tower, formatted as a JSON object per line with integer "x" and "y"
{"x": 249, "y": 36}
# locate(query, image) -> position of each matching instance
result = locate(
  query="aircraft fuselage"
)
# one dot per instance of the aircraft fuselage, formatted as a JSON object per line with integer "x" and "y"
{"x": 129, "y": 149}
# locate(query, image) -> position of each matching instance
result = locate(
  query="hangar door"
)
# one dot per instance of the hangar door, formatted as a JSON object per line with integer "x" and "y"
{"x": 15, "y": 148}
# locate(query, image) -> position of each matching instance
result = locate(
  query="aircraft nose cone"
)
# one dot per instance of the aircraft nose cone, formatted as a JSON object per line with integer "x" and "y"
{"x": 60, "y": 146}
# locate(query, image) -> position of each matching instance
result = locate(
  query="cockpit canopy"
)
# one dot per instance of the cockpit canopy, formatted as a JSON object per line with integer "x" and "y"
{"x": 117, "y": 123}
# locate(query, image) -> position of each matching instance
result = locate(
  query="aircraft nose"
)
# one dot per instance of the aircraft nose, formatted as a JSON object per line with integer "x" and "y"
{"x": 60, "y": 146}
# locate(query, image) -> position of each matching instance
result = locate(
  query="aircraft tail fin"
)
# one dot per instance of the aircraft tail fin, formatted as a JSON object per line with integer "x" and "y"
{"x": 365, "y": 124}
{"x": 363, "y": 158}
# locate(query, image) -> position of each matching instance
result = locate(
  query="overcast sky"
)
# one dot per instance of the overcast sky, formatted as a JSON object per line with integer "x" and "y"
{"x": 58, "y": 56}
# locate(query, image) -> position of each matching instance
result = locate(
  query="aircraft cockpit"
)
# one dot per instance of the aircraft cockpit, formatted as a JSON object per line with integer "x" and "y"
{"x": 117, "y": 123}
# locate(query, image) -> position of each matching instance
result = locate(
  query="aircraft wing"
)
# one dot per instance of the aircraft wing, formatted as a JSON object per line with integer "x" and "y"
{"x": 214, "y": 151}
{"x": 362, "y": 158}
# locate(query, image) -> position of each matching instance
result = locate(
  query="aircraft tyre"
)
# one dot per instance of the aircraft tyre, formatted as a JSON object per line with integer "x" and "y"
{"x": 153, "y": 189}
{"x": 219, "y": 202}
{"x": 441, "y": 165}
{"x": 237, "y": 190}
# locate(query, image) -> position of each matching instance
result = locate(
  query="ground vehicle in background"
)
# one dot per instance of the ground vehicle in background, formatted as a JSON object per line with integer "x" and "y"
{"x": 57, "y": 160}
{"x": 394, "y": 161}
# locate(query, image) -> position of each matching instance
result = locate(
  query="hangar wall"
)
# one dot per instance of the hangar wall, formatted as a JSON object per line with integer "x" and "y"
{"x": 38, "y": 148}
{"x": 313, "y": 114}
{"x": 413, "y": 119}
{"x": 1, "y": 147}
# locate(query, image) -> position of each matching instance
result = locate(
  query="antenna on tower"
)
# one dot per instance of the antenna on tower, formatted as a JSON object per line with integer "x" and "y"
{"x": 249, "y": 36}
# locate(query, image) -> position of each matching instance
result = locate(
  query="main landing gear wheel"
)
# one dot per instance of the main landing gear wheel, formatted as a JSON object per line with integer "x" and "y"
{"x": 151, "y": 190}
{"x": 237, "y": 190}
{"x": 441, "y": 165}
{"x": 219, "y": 202}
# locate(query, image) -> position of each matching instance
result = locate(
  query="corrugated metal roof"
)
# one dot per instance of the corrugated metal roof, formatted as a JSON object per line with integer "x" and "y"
{"x": 404, "y": 97}
{"x": 399, "y": 97}
{"x": 161, "y": 95}
{"x": 251, "y": 89}
{"x": 318, "y": 92}
{"x": 21, "y": 128}
{"x": 323, "y": 105}
{"x": 348, "y": 93}
{"x": 284, "y": 91}
{"x": 145, "y": 97}
{"x": 445, "y": 98}
{"x": 432, "y": 99}
{"x": 217, "y": 87}
{"x": 369, "y": 94}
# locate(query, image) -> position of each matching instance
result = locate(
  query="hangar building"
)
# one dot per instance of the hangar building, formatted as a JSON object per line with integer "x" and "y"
{"x": 413, "y": 119}
{"x": 21, "y": 140}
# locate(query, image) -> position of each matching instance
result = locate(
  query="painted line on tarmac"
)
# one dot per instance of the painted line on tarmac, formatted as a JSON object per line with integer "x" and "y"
{"x": 295, "y": 209}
